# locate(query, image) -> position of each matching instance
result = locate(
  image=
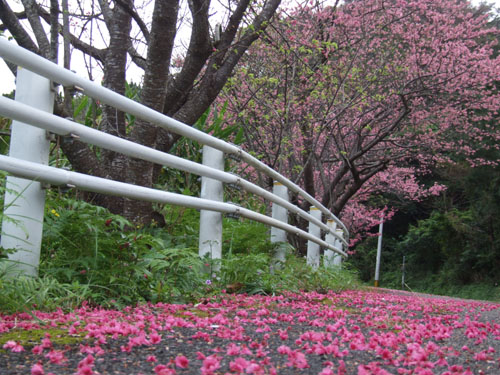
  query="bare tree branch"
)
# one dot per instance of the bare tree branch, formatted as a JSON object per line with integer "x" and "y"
{"x": 197, "y": 54}
{"x": 106, "y": 11}
{"x": 54, "y": 30}
{"x": 11, "y": 22}
{"x": 218, "y": 68}
{"x": 136, "y": 57}
{"x": 129, "y": 9}
{"x": 19, "y": 15}
{"x": 31, "y": 8}
{"x": 87, "y": 49}
{"x": 76, "y": 42}
{"x": 353, "y": 188}
{"x": 68, "y": 95}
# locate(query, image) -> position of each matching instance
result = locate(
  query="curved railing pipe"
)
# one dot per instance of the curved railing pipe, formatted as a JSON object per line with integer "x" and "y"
{"x": 60, "y": 177}
{"x": 64, "y": 127}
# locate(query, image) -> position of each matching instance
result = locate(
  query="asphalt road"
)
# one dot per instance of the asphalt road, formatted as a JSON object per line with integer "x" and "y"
{"x": 353, "y": 332}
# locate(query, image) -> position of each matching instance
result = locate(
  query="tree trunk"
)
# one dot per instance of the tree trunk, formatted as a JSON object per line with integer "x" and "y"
{"x": 119, "y": 25}
{"x": 161, "y": 42}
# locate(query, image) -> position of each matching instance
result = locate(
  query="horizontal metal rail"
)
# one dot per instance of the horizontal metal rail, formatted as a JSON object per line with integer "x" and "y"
{"x": 294, "y": 188}
{"x": 64, "y": 127}
{"x": 59, "y": 177}
{"x": 41, "y": 66}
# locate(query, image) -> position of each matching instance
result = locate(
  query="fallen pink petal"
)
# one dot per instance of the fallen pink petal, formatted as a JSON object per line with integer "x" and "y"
{"x": 37, "y": 369}
{"x": 181, "y": 361}
{"x": 351, "y": 332}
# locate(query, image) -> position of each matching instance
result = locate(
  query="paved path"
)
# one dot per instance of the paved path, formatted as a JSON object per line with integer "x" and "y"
{"x": 353, "y": 332}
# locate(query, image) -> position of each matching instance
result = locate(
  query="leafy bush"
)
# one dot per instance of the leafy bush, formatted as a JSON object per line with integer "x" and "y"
{"x": 89, "y": 254}
{"x": 86, "y": 245}
{"x": 43, "y": 293}
{"x": 297, "y": 276}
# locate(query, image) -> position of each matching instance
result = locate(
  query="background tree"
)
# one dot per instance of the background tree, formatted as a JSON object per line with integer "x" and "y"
{"x": 351, "y": 101}
{"x": 127, "y": 28}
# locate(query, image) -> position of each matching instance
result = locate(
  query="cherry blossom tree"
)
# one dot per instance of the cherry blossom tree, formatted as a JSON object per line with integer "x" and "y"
{"x": 179, "y": 82}
{"x": 358, "y": 99}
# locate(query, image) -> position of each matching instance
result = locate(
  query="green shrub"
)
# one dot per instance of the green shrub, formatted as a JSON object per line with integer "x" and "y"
{"x": 87, "y": 245}
{"x": 89, "y": 254}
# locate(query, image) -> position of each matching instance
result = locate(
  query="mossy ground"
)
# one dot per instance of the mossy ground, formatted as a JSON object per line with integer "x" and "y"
{"x": 32, "y": 337}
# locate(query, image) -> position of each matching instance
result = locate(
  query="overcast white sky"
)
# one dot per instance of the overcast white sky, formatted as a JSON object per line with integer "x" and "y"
{"x": 7, "y": 80}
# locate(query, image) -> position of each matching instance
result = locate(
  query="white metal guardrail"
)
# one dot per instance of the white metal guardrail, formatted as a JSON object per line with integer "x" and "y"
{"x": 24, "y": 112}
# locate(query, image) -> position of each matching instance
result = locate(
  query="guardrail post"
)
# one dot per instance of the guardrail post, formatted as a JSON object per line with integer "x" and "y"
{"x": 25, "y": 202}
{"x": 337, "y": 258}
{"x": 279, "y": 213}
{"x": 312, "y": 247}
{"x": 210, "y": 241}
{"x": 328, "y": 257}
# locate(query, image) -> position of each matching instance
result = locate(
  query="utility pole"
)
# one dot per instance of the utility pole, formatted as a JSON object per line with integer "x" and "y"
{"x": 403, "y": 273}
{"x": 379, "y": 250}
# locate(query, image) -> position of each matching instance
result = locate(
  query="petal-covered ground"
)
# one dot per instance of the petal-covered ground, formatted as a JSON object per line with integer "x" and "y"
{"x": 352, "y": 332}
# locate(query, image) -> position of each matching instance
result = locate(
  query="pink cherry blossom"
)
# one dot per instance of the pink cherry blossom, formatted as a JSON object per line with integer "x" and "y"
{"x": 56, "y": 356}
{"x": 181, "y": 361}
{"x": 350, "y": 125}
{"x": 326, "y": 371}
{"x": 13, "y": 346}
{"x": 85, "y": 370}
{"x": 37, "y": 369}
{"x": 238, "y": 365}
{"x": 164, "y": 370}
{"x": 210, "y": 365}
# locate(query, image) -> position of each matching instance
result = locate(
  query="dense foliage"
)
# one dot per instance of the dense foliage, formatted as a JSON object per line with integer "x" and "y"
{"x": 451, "y": 244}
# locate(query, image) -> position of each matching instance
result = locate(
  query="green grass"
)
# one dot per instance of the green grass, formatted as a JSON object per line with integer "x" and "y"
{"x": 444, "y": 285}
{"x": 477, "y": 291}
{"x": 28, "y": 338}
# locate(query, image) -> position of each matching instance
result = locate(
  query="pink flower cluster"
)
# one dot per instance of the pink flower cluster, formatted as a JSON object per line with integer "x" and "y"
{"x": 417, "y": 92}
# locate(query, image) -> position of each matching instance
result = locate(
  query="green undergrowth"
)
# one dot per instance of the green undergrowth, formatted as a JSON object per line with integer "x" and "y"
{"x": 426, "y": 269}
{"x": 476, "y": 291}
{"x": 89, "y": 254}
{"x": 45, "y": 293}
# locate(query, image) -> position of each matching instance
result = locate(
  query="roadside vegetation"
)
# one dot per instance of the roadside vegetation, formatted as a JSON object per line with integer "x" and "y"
{"x": 91, "y": 255}
{"x": 451, "y": 243}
